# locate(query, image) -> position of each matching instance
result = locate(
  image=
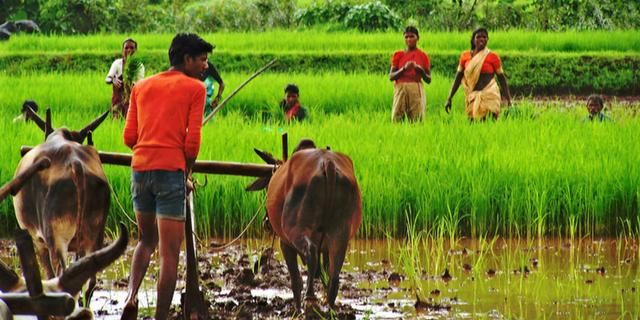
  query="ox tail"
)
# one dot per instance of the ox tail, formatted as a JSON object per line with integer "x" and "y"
{"x": 329, "y": 171}
{"x": 80, "y": 181}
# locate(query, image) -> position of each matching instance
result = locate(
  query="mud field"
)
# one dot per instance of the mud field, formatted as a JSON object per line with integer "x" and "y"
{"x": 484, "y": 278}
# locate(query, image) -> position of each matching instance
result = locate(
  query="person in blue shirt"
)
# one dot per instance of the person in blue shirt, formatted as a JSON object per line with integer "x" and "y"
{"x": 210, "y": 76}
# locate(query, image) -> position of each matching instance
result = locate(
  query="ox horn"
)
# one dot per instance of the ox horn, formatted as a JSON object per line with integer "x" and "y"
{"x": 92, "y": 126}
{"x": 89, "y": 138}
{"x": 266, "y": 156}
{"x": 262, "y": 182}
{"x": 48, "y": 129}
{"x": 74, "y": 277}
{"x": 29, "y": 107}
{"x": 8, "y": 278}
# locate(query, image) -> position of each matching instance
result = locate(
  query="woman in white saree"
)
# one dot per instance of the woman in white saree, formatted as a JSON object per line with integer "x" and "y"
{"x": 477, "y": 72}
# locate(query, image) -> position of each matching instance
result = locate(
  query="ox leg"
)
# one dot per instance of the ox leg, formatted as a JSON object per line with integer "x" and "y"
{"x": 43, "y": 255}
{"x": 98, "y": 244}
{"x": 337, "y": 252}
{"x": 312, "y": 258}
{"x": 291, "y": 258}
{"x": 57, "y": 257}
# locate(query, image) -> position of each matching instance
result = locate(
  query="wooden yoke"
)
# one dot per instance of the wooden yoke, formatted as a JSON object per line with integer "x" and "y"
{"x": 210, "y": 167}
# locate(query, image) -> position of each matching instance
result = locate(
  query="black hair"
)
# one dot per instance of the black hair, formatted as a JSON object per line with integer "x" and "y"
{"x": 209, "y": 72}
{"x": 29, "y": 103}
{"x": 187, "y": 44}
{"x": 129, "y": 40}
{"x": 473, "y": 35}
{"x": 292, "y": 88}
{"x": 597, "y": 98}
{"x": 412, "y": 29}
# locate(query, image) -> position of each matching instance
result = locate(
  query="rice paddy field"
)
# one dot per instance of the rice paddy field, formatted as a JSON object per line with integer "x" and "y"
{"x": 536, "y": 184}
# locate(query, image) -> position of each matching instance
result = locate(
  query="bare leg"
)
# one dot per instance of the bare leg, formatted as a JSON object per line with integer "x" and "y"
{"x": 148, "y": 234}
{"x": 171, "y": 236}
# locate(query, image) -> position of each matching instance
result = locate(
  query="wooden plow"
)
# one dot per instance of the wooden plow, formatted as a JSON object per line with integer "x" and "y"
{"x": 193, "y": 304}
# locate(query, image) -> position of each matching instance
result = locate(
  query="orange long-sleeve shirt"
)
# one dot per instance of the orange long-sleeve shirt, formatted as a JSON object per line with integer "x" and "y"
{"x": 164, "y": 121}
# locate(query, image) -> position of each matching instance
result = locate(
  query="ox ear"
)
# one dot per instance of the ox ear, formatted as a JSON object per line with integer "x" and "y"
{"x": 74, "y": 277}
{"x": 258, "y": 184}
{"x": 48, "y": 128}
{"x": 305, "y": 144}
{"x": 266, "y": 156}
{"x": 32, "y": 114}
{"x": 93, "y": 125}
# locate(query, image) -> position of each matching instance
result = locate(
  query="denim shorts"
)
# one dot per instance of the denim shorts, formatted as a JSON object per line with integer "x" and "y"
{"x": 159, "y": 192}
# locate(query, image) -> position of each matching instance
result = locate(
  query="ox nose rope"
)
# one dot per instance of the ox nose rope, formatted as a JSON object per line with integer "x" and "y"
{"x": 218, "y": 247}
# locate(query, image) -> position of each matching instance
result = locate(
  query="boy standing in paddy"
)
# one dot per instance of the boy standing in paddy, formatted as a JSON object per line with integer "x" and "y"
{"x": 409, "y": 68}
{"x": 163, "y": 129}
{"x": 291, "y": 106}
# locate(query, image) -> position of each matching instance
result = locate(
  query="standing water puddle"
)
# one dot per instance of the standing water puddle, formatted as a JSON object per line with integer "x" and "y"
{"x": 492, "y": 279}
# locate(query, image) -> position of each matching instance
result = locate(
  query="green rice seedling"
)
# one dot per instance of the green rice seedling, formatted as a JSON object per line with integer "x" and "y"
{"x": 286, "y": 40}
{"x": 554, "y": 173}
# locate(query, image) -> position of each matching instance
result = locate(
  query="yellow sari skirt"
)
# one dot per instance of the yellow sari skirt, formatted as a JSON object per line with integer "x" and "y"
{"x": 480, "y": 103}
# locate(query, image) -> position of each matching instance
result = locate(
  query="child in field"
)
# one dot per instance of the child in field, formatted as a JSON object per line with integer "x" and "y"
{"x": 595, "y": 106}
{"x": 210, "y": 76}
{"x": 291, "y": 106}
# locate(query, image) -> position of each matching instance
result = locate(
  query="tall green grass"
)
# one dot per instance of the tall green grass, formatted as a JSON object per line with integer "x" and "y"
{"x": 313, "y": 41}
{"x": 322, "y": 93}
{"x": 545, "y": 173}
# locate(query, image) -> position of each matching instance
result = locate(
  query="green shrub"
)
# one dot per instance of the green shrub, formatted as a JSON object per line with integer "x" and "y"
{"x": 238, "y": 15}
{"x": 528, "y": 73}
{"x": 372, "y": 16}
{"x": 323, "y": 13}
{"x": 76, "y": 16}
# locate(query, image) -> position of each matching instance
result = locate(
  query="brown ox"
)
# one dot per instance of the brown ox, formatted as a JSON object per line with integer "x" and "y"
{"x": 72, "y": 279}
{"x": 64, "y": 207}
{"x": 314, "y": 206}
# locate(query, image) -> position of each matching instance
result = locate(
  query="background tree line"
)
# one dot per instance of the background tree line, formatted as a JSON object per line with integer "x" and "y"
{"x": 91, "y": 16}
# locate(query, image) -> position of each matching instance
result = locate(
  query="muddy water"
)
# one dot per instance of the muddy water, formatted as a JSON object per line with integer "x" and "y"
{"x": 490, "y": 278}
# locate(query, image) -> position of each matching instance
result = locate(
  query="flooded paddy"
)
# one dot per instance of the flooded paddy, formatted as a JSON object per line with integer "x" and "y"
{"x": 589, "y": 278}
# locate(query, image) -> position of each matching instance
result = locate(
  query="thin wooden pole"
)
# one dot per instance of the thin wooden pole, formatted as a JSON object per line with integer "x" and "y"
{"x": 221, "y": 104}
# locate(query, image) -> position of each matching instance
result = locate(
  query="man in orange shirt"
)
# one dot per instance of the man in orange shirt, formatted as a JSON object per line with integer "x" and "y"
{"x": 409, "y": 68}
{"x": 163, "y": 129}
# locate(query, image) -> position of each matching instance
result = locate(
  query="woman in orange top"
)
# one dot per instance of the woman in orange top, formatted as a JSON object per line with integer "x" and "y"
{"x": 408, "y": 69}
{"x": 477, "y": 71}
